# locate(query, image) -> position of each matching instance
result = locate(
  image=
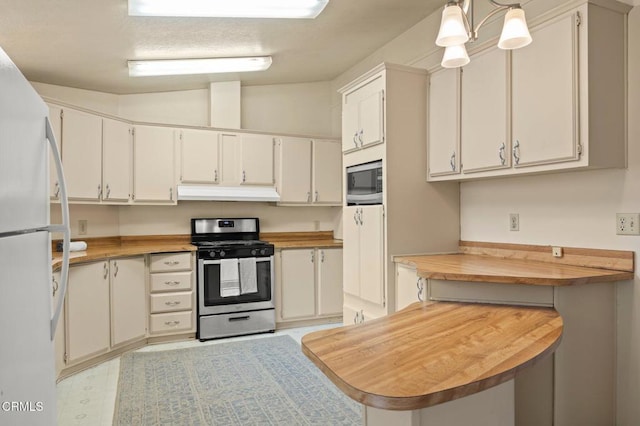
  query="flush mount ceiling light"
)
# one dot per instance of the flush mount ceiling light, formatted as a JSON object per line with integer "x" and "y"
{"x": 197, "y": 66}
{"x": 457, "y": 28}
{"x": 228, "y": 8}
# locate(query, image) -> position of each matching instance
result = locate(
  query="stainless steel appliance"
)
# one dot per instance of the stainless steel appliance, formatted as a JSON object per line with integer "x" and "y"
{"x": 364, "y": 184}
{"x": 28, "y": 318}
{"x": 235, "y": 275}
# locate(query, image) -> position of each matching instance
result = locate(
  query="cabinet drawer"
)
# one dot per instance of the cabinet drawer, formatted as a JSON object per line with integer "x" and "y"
{"x": 174, "y": 281}
{"x": 168, "y": 302}
{"x": 170, "y": 262}
{"x": 171, "y": 322}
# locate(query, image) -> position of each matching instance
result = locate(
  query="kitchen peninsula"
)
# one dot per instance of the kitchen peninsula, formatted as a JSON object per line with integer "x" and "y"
{"x": 575, "y": 386}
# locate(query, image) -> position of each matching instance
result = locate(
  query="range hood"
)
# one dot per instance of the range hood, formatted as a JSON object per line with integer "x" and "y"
{"x": 227, "y": 193}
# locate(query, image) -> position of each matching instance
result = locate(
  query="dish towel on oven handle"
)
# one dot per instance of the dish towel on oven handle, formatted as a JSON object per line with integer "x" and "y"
{"x": 229, "y": 278}
{"x": 248, "y": 276}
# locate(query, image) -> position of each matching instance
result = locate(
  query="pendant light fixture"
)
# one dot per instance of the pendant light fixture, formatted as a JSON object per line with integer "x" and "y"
{"x": 457, "y": 28}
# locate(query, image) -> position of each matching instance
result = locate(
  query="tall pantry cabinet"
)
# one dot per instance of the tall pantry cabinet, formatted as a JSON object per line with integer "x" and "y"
{"x": 384, "y": 118}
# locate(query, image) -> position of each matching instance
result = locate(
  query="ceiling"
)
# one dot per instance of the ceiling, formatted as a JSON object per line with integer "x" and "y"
{"x": 86, "y": 43}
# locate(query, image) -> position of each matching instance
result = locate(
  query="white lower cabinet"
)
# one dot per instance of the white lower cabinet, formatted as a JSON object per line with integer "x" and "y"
{"x": 171, "y": 299}
{"x": 88, "y": 328}
{"x": 310, "y": 283}
{"x": 106, "y": 306}
{"x": 409, "y": 287}
{"x": 128, "y": 300}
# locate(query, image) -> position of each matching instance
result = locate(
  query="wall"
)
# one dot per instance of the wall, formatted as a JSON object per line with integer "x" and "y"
{"x": 567, "y": 209}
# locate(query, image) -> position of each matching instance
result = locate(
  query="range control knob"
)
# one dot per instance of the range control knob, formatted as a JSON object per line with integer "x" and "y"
{"x": 222, "y": 253}
{"x": 263, "y": 251}
{"x": 254, "y": 252}
{"x": 212, "y": 253}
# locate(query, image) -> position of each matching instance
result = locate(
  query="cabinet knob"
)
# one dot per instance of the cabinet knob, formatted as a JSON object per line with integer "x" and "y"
{"x": 172, "y": 303}
{"x": 420, "y": 289}
{"x": 244, "y": 176}
{"x": 170, "y": 194}
{"x": 108, "y": 191}
{"x": 360, "y": 137}
{"x": 115, "y": 266}
{"x": 452, "y": 161}
{"x": 308, "y": 197}
{"x": 57, "y": 191}
{"x": 105, "y": 271}
{"x": 313, "y": 257}
{"x": 215, "y": 175}
{"x": 316, "y": 196}
{"x": 99, "y": 190}
{"x": 355, "y": 139}
{"x": 501, "y": 150}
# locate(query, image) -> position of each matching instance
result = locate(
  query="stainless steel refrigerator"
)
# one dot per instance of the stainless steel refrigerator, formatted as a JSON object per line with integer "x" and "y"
{"x": 27, "y": 317}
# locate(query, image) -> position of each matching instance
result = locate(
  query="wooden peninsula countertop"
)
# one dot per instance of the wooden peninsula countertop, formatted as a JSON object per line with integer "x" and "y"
{"x": 293, "y": 240}
{"x": 524, "y": 264}
{"x": 427, "y": 354}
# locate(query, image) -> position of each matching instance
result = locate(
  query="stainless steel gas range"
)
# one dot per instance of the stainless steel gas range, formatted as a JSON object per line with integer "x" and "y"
{"x": 235, "y": 275}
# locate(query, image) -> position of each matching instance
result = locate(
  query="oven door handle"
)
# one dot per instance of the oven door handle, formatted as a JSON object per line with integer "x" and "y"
{"x": 243, "y": 318}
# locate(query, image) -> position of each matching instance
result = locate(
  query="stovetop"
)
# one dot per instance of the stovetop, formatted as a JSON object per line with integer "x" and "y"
{"x": 230, "y": 243}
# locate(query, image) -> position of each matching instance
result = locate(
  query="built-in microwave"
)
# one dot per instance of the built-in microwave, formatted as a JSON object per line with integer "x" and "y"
{"x": 364, "y": 184}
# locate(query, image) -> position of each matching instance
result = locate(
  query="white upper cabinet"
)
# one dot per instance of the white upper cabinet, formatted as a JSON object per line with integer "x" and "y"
{"x": 294, "y": 170}
{"x": 199, "y": 156}
{"x": 257, "y": 159}
{"x": 444, "y": 139}
{"x": 309, "y": 171}
{"x": 327, "y": 172}
{"x": 363, "y": 116}
{"x": 544, "y": 95}
{"x": 154, "y": 164}
{"x": 117, "y": 139}
{"x": 82, "y": 156}
{"x": 557, "y": 104}
{"x": 484, "y": 136}
{"x": 246, "y": 159}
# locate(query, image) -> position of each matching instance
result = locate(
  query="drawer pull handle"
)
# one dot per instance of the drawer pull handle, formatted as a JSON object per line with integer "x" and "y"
{"x": 244, "y": 318}
{"x": 171, "y": 323}
{"x": 172, "y": 262}
{"x": 175, "y": 303}
{"x": 172, "y": 283}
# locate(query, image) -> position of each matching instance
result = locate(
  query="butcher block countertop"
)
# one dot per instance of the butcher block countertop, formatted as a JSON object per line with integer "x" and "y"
{"x": 292, "y": 240}
{"x": 427, "y": 354}
{"x": 111, "y": 247}
{"x": 524, "y": 264}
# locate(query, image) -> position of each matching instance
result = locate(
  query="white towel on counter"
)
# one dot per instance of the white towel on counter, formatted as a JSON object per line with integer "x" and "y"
{"x": 248, "y": 275}
{"x": 229, "y": 278}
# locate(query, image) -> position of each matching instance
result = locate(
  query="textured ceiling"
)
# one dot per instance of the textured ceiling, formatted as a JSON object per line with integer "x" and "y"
{"x": 86, "y": 43}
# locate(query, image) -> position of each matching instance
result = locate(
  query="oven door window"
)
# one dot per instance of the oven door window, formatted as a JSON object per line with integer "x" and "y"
{"x": 211, "y": 295}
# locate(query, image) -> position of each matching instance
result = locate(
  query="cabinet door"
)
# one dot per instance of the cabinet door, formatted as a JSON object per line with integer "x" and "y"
{"x": 371, "y": 119}
{"x": 350, "y": 125}
{"x": 257, "y": 160}
{"x": 82, "y": 156}
{"x": 371, "y": 254}
{"x": 444, "y": 140}
{"x": 87, "y": 311}
{"x": 199, "y": 156}
{"x": 294, "y": 179}
{"x": 327, "y": 172}
{"x": 116, "y": 160}
{"x": 329, "y": 281}
{"x": 298, "y": 283}
{"x": 153, "y": 167}
{"x": 230, "y": 151}
{"x": 128, "y": 300}
{"x": 409, "y": 288}
{"x": 351, "y": 250}
{"x": 56, "y": 124}
{"x": 544, "y": 85}
{"x": 483, "y": 116}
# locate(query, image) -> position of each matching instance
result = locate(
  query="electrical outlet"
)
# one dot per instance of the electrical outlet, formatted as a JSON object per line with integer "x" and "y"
{"x": 82, "y": 227}
{"x": 556, "y": 251}
{"x": 628, "y": 223}
{"x": 514, "y": 222}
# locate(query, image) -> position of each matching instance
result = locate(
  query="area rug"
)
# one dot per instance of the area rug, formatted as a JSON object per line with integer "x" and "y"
{"x": 264, "y": 381}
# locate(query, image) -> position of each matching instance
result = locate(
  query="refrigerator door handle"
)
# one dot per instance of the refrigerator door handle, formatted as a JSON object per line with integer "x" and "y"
{"x": 64, "y": 228}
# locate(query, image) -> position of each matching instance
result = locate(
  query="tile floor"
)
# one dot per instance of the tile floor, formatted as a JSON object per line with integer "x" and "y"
{"x": 88, "y": 398}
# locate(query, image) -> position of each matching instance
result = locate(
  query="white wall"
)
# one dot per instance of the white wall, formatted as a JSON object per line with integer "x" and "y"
{"x": 187, "y": 107}
{"x": 568, "y": 209}
{"x": 106, "y": 103}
